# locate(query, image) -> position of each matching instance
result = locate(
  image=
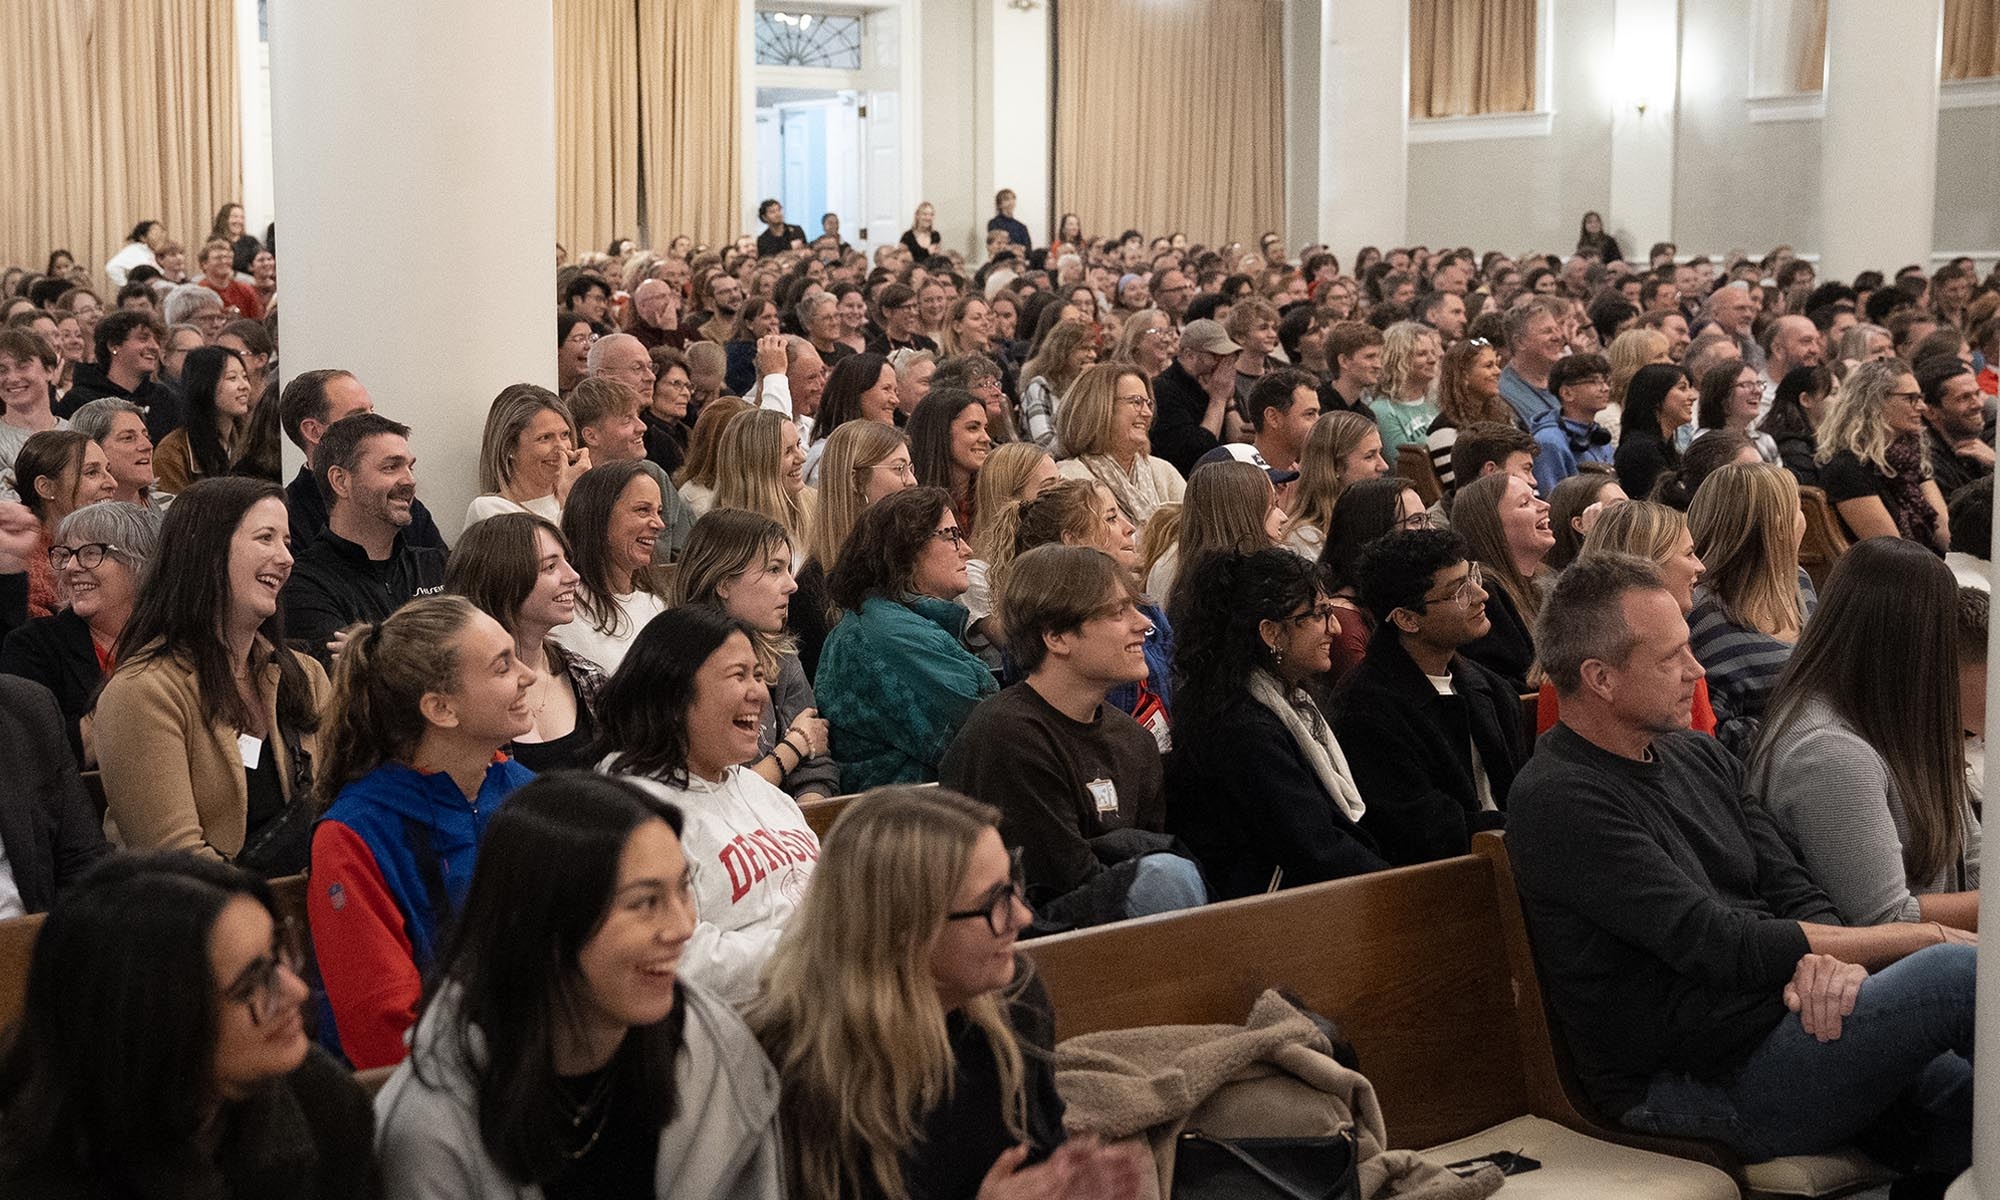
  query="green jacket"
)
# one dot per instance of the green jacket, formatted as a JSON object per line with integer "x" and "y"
{"x": 895, "y": 682}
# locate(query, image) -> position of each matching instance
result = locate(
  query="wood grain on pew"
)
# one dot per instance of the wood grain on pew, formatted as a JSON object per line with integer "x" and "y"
{"x": 17, "y": 946}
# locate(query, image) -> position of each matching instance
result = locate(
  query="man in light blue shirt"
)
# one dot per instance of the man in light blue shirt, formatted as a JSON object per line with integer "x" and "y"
{"x": 1535, "y": 340}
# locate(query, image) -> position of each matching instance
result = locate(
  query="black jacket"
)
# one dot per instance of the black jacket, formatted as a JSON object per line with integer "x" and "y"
{"x": 47, "y": 825}
{"x": 334, "y": 584}
{"x": 1245, "y": 799}
{"x": 1950, "y": 471}
{"x": 1411, "y": 749}
{"x": 162, "y": 403}
{"x": 1179, "y": 404}
{"x": 1508, "y": 649}
{"x": 306, "y": 505}
{"x": 57, "y": 653}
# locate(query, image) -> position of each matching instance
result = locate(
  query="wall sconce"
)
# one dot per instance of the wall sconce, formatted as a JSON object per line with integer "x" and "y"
{"x": 1025, "y": 6}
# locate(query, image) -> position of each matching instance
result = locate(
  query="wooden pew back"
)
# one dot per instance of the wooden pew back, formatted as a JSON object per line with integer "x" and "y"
{"x": 1825, "y": 540}
{"x": 1413, "y": 462}
{"x": 1410, "y": 963}
{"x": 17, "y": 947}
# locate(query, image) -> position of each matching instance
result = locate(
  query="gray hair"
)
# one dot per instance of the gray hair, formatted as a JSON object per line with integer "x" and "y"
{"x": 601, "y": 347}
{"x": 1584, "y": 616}
{"x": 96, "y": 418}
{"x": 188, "y": 299}
{"x": 807, "y": 308}
{"x": 132, "y": 531}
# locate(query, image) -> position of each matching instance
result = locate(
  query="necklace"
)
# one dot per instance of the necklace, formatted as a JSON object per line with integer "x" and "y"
{"x": 597, "y": 1105}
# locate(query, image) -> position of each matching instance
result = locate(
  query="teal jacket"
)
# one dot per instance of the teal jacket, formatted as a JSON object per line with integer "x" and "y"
{"x": 895, "y": 682}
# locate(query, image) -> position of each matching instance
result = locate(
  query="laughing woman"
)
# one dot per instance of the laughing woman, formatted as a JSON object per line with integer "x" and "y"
{"x": 1104, "y": 426}
{"x": 613, "y": 521}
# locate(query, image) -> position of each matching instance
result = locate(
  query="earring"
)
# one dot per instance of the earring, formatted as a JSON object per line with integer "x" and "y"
{"x": 1277, "y": 656}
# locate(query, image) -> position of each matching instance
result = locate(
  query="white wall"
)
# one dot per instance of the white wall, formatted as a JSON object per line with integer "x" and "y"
{"x": 947, "y": 121}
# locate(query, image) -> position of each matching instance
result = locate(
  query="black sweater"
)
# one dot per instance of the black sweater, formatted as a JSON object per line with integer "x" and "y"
{"x": 1664, "y": 910}
{"x": 335, "y": 583}
{"x": 1410, "y": 749}
{"x": 1507, "y": 649}
{"x": 57, "y": 652}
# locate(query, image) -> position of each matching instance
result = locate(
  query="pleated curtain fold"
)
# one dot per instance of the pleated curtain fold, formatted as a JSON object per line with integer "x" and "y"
{"x": 1471, "y": 57}
{"x": 597, "y": 122}
{"x": 1171, "y": 117}
{"x": 1971, "y": 39}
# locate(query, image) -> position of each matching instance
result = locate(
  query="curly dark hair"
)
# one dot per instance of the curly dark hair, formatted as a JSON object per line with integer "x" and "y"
{"x": 881, "y": 554}
{"x": 1397, "y": 570}
{"x": 1216, "y": 643}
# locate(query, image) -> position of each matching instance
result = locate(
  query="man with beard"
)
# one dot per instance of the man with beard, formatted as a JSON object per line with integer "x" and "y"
{"x": 1954, "y": 423}
{"x": 725, "y": 296}
{"x": 361, "y": 567}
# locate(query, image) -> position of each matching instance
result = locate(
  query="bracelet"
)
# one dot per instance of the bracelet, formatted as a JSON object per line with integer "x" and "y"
{"x": 782, "y": 768}
{"x": 803, "y": 754}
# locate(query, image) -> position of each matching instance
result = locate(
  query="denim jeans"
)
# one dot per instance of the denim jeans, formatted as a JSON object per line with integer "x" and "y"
{"x": 1165, "y": 882}
{"x": 1903, "y": 1059}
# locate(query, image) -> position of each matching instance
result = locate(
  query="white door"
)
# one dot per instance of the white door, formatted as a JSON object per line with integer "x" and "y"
{"x": 799, "y": 167}
{"x": 884, "y": 205}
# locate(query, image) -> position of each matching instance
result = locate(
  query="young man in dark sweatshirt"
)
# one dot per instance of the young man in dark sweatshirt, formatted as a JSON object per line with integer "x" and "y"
{"x": 1700, "y": 978}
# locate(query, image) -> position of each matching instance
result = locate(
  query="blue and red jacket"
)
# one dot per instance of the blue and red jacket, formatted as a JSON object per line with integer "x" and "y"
{"x": 391, "y": 862}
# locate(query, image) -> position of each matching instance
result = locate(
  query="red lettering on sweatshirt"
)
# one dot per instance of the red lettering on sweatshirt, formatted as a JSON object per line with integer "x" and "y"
{"x": 739, "y": 872}
{"x": 754, "y": 857}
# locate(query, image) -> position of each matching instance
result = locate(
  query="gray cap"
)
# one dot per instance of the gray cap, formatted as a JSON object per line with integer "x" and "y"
{"x": 1208, "y": 336}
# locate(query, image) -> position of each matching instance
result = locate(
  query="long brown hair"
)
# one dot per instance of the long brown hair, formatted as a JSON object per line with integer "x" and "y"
{"x": 1475, "y": 515}
{"x": 1743, "y": 519}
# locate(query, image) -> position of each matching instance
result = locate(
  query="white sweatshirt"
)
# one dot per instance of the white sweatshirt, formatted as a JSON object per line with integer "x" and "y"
{"x": 752, "y": 854}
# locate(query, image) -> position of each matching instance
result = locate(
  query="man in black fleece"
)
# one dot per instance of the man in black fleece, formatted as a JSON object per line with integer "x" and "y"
{"x": 1700, "y": 978}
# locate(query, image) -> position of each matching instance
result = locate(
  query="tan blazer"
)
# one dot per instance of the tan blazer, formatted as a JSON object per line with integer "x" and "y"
{"x": 173, "y": 773}
{"x": 173, "y": 464}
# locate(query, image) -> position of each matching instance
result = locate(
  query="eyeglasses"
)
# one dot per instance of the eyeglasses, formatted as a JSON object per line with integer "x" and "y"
{"x": 953, "y": 536}
{"x": 1747, "y": 385}
{"x": 1418, "y": 520}
{"x": 1323, "y": 613}
{"x": 1482, "y": 343}
{"x": 1912, "y": 397}
{"x": 901, "y": 470}
{"x": 1472, "y": 585}
{"x": 998, "y": 905}
{"x": 87, "y": 556}
{"x": 1170, "y": 334}
{"x": 260, "y": 989}
{"x": 1141, "y": 403}
{"x": 677, "y": 385}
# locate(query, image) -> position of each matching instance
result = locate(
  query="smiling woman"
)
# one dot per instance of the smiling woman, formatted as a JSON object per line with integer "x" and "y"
{"x": 613, "y": 522}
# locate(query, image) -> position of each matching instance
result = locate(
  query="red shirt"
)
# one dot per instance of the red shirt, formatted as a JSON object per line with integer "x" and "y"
{"x": 239, "y": 296}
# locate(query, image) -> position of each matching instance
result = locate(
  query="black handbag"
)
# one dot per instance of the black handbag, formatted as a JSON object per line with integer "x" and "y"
{"x": 283, "y": 845}
{"x": 1279, "y": 1168}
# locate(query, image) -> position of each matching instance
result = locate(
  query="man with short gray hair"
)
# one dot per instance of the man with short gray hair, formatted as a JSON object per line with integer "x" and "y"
{"x": 1703, "y": 981}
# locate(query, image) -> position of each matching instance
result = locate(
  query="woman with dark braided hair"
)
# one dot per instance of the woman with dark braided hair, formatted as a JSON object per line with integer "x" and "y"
{"x": 1256, "y": 784}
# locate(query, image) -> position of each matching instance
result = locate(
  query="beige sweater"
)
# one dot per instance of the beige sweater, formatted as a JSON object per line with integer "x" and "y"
{"x": 173, "y": 773}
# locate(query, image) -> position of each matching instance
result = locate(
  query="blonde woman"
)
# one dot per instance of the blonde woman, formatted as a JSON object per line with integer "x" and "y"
{"x": 1013, "y": 472}
{"x": 1754, "y": 598}
{"x": 528, "y": 459}
{"x": 696, "y": 479}
{"x": 1231, "y": 507}
{"x": 1506, "y": 531}
{"x": 863, "y": 462}
{"x": 1404, "y": 406}
{"x": 913, "y": 1047}
{"x": 1150, "y": 341}
{"x": 1105, "y": 427}
{"x": 1628, "y": 352}
{"x": 1069, "y": 349}
{"x": 968, "y": 327}
{"x": 1343, "y": 449}
{"x": 1875, "y": 461}
{"x": 762, "y": 469}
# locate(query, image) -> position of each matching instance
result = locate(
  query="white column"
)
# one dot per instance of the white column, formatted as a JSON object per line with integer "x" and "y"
{"x": 1364, "y": 122}
{"x": 1646, "y": 47}
{"x": 415, "y": 148}
{"x": 1983, "y": 1180}
{"x": 1013, "y": 46}
{"x": 1302, "y": 128}
{"x": 1878, "y": 143}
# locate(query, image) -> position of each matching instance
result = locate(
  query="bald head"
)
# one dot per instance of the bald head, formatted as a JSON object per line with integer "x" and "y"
{"x": 623, "y": 358}
{"x": 654, "y": 302}
{"x": 1794, "y": 342}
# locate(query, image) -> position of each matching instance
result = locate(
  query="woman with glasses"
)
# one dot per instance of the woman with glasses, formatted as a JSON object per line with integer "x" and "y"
{"x": 565, "y": 1053}
{"x": 1367, "y": 512}
{"x": 1732, "y": 395}
{"x": 861, "y": 387}
{"x": 913, "y": 1046}
{"x": 162, "y": 1049}
{"x": 895, "y": 680}
{"x": 1069, "y": 348}
{"x": 574, "y": 336}
{"x": 100, "y": 553}
{"x": 423, "y": 704}
{"x": 666, "y": 412}
{"x": 681, "y": 718}
{"x": 56, "y": 473}
{"x": 740, "y": 564}
{"x": 1105, "y": 428}
{"x": 1149, "y": 342}
{"x": 1257, "y": 785}
{"x": 1874, "y": 460}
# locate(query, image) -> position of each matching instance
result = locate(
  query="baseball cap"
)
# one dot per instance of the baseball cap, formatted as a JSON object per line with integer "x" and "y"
{"x": 1208, "y": 336}
{"x": 1245, "y": 452}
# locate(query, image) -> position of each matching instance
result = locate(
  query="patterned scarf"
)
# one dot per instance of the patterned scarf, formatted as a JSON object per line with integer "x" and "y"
{"x": 1136, "y": 491}
{"x": 1914, "y": 514}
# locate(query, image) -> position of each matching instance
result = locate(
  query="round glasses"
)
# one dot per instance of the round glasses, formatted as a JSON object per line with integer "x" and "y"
{"x": 997, "y": 906}
{"x": 87, "y": 556}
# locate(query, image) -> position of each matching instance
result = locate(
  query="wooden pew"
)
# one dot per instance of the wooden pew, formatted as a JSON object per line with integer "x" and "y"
{"x": 820, "y": 814}
{"x": 1825, "y": 540}
{"x": 1411, "y": 964}
{"x": 1413, "y": 462}
{"x": 17, "y": 947}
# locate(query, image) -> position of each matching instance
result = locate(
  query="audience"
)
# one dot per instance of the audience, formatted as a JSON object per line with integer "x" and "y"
{"x": 1228, "y": 507}
{"x": 162, "y": 1048}
{"x": 948, "y": 446}
{"x": 1754, "y": 597}
{"x": 516, "y": 569}
{"x": 1354, "y": 353}
{"x": 906, "y": 941}
{"x": 27, "y": 376}
{"x": 1197, "y": 393}
{"x": 1367, "y": 511}
{"x": 1404, "y": 404}
{"x": 1792, "y": 423}
{"x": 864, "y": 461}
{"x": 563, "y": 1053}
{"x": 50, "y": 832}
{"x": 679, "y": 719}
{"x": 1506, "y": 531}
{"x": 613, "y": 523}
{"x": 207, "y": 730}
{"x": 1468, "y": 393}
{"x": 1343, "y": 449}
{"x": 129, "y": 355}
{"x": 1874, "y": 462}
{"x": 527, "y": 458}
{"x": 740, "y": 564}
{"x": 1575, "y": 507}
{"x": 1659, "y": 400}
{"x": 609, "y": 423}
{"x": 310, "y": 405}
{"x": 1077, "y": 781}
{"x": 119, "y": 429}
{"x": 1069, "y": 348}
{"x": 1862, "y": 758}
{"x": 761, "y": 469}
{"x": 666, "y": 410}
{"x": 1698, "y": 976}
{"x": 1104, "y": 429}
{"x": 1433, "y": 738}
{"x": 57, "y": 473}
{"x": 423, "y": 703}
{"x": 1257, "y": 785}
{"x": 696, "y": 480}
{"x": 1535, "y": 343}
{"x": 862, "y": 387}
{"x": 1954, "y": 423}
{"x": 1731, "y": 398}
{"x": 1283, "y": 408}
{"x": 1972, "y": 535}
{"x": 216, "y": 401}
{"x": 895, "y": 680}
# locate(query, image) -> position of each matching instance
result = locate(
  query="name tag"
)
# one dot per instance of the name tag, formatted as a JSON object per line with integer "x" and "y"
{"x": 1104, "y": 794}
{"x": 251, "y": 748}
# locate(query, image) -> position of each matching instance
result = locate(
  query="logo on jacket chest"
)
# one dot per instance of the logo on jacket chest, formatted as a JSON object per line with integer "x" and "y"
{"x": 751, "y": 858}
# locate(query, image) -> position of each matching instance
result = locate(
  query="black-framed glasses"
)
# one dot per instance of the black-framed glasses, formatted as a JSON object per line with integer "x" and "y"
{"x": 1322, "y": 613}
{"x": 997, "y": 906}
{"x": 952, "y": 536}
{"x": 1473, "y": 583}
{"x": 87, "y": 556}
{"x": 260, "y": 989}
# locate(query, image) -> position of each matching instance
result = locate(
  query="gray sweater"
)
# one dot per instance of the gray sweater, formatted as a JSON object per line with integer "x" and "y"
{"x": 792, "y": 694}
{"x": 723, "y": 1145}
{"x": 1835, "y": 799}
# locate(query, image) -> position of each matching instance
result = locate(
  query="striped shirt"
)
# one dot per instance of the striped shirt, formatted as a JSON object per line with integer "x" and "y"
{"x": 1743, "y": 664}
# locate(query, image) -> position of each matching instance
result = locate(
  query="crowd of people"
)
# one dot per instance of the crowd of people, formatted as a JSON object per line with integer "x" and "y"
{"x": 1122, "y": 543}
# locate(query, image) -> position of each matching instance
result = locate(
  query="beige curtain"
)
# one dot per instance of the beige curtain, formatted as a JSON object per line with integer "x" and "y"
{"x": 597, "y": 122}
{"x": 690, "y": 119}
{"x": 1171, "y": 117}
{"x": 1809, "y": 71}
{"x": 1469, "y": 57}
{"x": 118, "y": 110}
{"x": 1971, "y": 39}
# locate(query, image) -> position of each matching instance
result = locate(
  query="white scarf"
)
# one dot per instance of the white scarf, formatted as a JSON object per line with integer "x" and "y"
{"x": 1301, "y": 717}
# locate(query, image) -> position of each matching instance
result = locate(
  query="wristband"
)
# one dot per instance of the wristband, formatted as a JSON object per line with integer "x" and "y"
{"x": 803, "y": 754}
